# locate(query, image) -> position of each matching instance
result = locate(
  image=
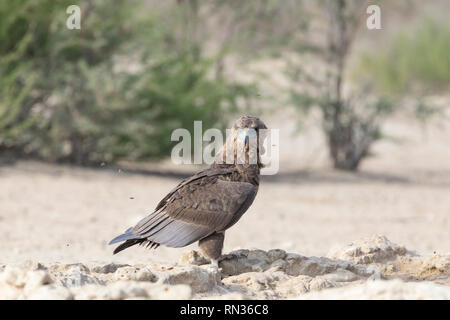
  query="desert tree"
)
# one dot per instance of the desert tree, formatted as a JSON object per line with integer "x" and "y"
{"x": 315, "y": 40}
{"x": 350, "y": 115}
{"x": 356, "y": 99}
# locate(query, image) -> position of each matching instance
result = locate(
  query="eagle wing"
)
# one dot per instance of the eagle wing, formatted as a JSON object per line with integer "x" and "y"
{"x": 196, "y": 208}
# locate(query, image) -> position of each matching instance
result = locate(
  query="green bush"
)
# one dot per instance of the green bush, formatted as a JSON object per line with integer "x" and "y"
{"x": 113, "y": 90}
{"x": 415, "y": 61}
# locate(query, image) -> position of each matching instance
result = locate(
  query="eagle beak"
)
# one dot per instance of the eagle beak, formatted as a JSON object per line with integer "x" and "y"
{"x": 244, "y": 137}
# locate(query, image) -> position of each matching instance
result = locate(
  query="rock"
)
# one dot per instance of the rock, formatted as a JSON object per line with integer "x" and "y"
{"x": 259, "y": 256}
{"x": 228, "y": 296}
{"x": 376, "y": 249}
{"x": 341, "y": 275}
{"x": 9, "y": 292}
{"x": 78, "y": 280}
{"x": 76, "y": 275}
{"x": 274, "y": 284}
{"x": 384, "y": 290}
{"x": 294, "y": 286}
{"x": 316, "y": 266}
{"x": 121, "y": 290}
{"x": 193, "y": 257}
{"x": 135, "y": 274}
{"x": 436, "y": 264}
{"x": 245, "y": 261}
{"x": 13, "y": 276}
{"x": 234, "y": 267}
{"x": 98, "y": 292}
{"x": 17, "y": 283}
{"x": 172, "y": 292}
{"x": 199, "y": 278}
{"x": 276, "y": 254}
{"x": 32, "y": 265}
{"x": 279, "y": 265}
{"x": 21, "y": 278}
{"x": 79, "y": 267}
{"x": 108, "y": 268}
{"x": 353, "y": 272}
{"x": 319, "y": 283}
{"x": 260, "y": 285}
{"x": 114, "y": 291}
{"x": 376, "y": 273}
{"x": 51, "y": 293}
{"x": 12, "y": 282}
{"x": 36, "y": 279}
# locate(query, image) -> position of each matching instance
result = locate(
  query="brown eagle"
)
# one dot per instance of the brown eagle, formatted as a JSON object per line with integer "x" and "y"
{"x": 206, "y": 204}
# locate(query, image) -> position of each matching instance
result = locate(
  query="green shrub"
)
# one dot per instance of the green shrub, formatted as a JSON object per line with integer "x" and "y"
{"x": 415, "y": 61}
{"x": 113, "y": 90}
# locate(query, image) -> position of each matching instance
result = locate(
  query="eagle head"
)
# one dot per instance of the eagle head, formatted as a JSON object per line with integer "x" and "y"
{"x": 244, "y": 143}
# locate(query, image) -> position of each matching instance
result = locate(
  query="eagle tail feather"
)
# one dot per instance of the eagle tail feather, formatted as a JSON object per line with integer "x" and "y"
{"x": 127, "y": 244}
{"x": 128, "y": 235}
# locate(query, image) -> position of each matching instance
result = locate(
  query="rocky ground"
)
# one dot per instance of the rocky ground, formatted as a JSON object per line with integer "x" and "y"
{"x": 371, "y": 268}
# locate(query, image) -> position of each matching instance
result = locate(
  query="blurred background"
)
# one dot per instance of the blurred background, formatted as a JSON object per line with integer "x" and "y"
{"x": 86, "y": 118}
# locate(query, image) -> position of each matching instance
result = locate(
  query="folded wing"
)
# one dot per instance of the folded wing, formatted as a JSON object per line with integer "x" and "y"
{"x": 193, "y": 211}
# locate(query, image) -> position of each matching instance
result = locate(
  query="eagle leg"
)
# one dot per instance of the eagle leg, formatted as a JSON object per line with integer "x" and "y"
{"x": 211, "y": 246}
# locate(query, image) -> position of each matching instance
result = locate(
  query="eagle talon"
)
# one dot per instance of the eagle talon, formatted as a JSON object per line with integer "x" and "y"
{"x": 215, "y": 264}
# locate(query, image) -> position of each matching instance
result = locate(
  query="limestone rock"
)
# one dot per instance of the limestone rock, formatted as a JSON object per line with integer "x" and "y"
{"x": 193, "y": 257}
{"x": 170, "y": 292}
{"x": 293, "y": 286}
{"x": 13, "y": 276}
{"x": 440, "y": 264}
{"x": 75, "y": 266}
{"x": 121, "y": 290}
{"x": 252, "y": 261}
{"x": 276, "y": 254}
{"x": 51, "y": 292}
{"x": 319, "y": 283}
{"x": 133, "y": 273}
{"x": 275, "y": 284}
{"x": 316, "y": 266}
{"x": 32, "y": 265}
{"x": 228, "y": 296}
{"x": 385, "y": 290}
{"x": 353, "y": 272}
{"x": 260, "y": 285}
{"x": 36, "y": 279}
{"x": 78, "y": 275}
{"x": 199, "y": 278}
{"x": 342, "y": 275}
{"x": 108, "y": 268}
{"x": 376, "y": 249}
{"x": 18, "y": 283}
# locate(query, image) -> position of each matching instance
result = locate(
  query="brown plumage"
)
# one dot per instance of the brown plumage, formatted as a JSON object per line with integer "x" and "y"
{"x": 204, "y": 205}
